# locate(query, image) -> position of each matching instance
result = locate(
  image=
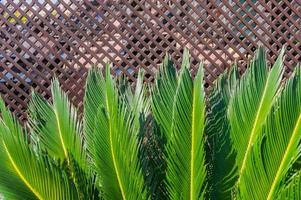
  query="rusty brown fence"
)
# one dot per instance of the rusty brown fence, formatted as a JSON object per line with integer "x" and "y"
{"x": 43, "y": 38}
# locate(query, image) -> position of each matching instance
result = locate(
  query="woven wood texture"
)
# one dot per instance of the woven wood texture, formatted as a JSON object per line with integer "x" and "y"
{"x": 40, "y": 39}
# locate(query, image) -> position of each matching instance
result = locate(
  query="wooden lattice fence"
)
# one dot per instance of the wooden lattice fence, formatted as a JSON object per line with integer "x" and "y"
{"x": 43, "y": 38}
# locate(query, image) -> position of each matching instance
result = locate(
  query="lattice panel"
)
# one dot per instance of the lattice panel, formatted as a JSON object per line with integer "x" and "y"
{"x": 40, "y": 39}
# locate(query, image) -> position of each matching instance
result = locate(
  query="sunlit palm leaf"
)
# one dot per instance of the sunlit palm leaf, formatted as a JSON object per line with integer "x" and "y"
{"x": 115, "y": 144}
{"x": 185, "y": 145}
{"x": 251, "y": 103}
{"x": 56, "y": 129}
{"x": 273, "y": 156}
{"x": 160, "y": 146}
{"x": 25, "y": 173}
{"x": 56, "y": 126}
{"x": 220, "y": 154}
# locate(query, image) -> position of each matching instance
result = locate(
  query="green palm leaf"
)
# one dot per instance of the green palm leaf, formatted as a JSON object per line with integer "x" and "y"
{"x": 184, "y": 126}
{"x": 273, "y": 156}
{"x": 25, "y": 173}
{"x": 220, "y": 153}
{"x": 94, "y": 97}
{"x": 162, "y": 100}
{"x": 137, "y": 100}
{"x": 153, "y": 162}
{"x": 56, "y": 129}
{"x": 56, "y": 126}
{"x": 292, "y": 190}
{"x": 251, "y": 103}
{"x": 150, "y": 138}
{"x": 114, "y": 151}
{"x": 163, "y": 95}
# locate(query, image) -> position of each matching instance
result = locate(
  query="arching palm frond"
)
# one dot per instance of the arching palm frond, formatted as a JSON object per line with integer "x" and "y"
{"x": 222, "y": 173}
{"x": 273, "y": 156}
{"x": 185, "y": 152}
{"x": 115, "y": 144}
{"x": 57, "y": 130}
{"x": 26, "y": 173}
{"x": 94, "y": 82}
{"x": 251, "y": 103}
{"x": 56, "y": 126}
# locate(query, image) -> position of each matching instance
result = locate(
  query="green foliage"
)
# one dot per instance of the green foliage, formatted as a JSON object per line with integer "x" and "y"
{"x": 165, "y": 140}
{"x": 220, "y": 154}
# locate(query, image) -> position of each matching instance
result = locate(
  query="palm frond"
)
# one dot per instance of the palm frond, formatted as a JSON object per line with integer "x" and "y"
{"x": 136, "y": 100}
{"x": 243, "y": 143}
{"x": 56, "y": 126}
{"x": 115, "y": 144}
{"x": 153, "y": 162}
{"x": 292, "y": 190}
{"x": 151, "y": 141}
{"x": 163, "y": 95}
{"x": 251, "y": 103}
{"x": 185, "y": 152}
{"x": 222, "y": 173}
{"x": 93, "y": 99}
{"x": 85, "y": 181}
{"x": 26, "y": 173}
{"x": 273, "y": 156}
{"x": 57, "y": 130}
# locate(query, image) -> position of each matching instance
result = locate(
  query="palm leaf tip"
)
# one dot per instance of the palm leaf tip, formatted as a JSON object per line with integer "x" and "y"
{"x": 185, "y": 59}
{"x": 8, "y": 119}
{"x": 94, "y": 99}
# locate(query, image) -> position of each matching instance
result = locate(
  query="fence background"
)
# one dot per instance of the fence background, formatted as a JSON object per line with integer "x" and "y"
{"x": 43, "y": 38}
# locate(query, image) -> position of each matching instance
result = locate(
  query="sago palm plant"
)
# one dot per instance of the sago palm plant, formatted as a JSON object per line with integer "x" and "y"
{"x": 165, "y": 140}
